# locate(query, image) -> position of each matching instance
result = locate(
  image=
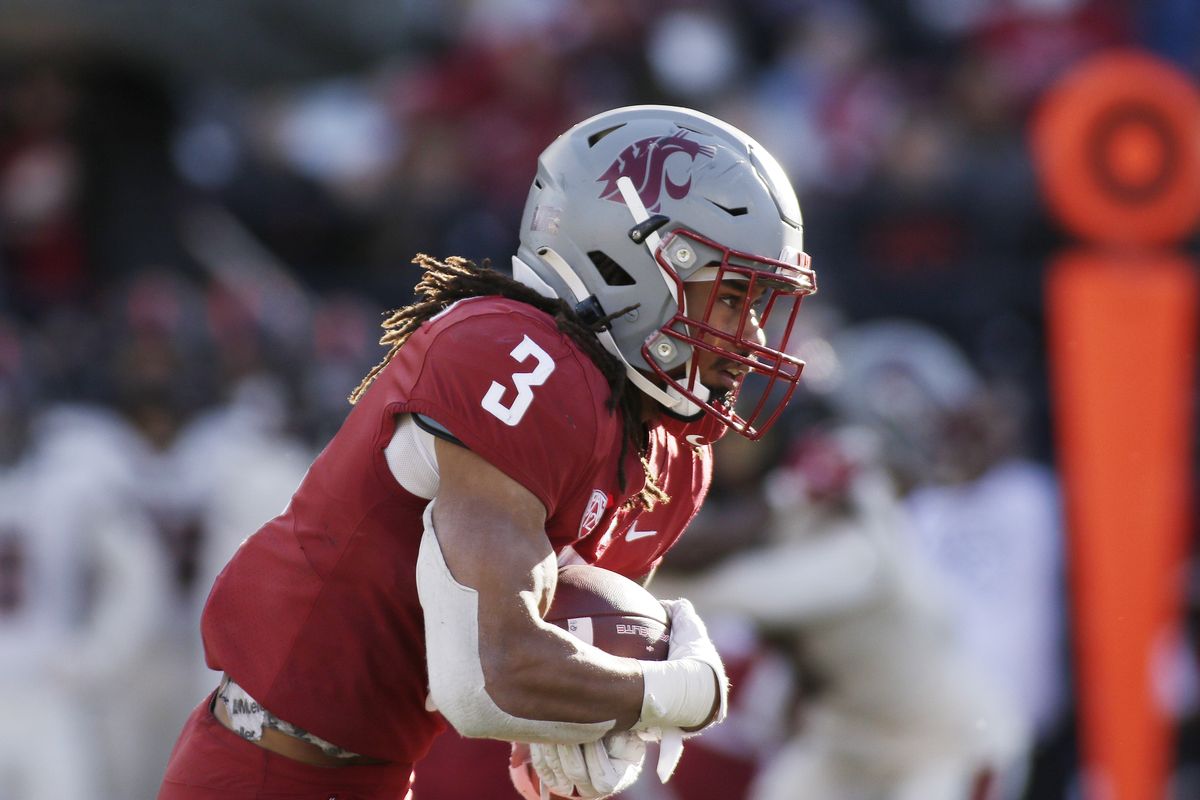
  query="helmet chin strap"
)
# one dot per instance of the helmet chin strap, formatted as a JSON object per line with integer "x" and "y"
{"x": 683, "y": 406}
{"x": 669, "y": 398}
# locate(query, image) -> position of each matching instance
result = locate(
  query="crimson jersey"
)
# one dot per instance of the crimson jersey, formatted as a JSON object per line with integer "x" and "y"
{"x": 317, "y": 614}
{"x": 636, "y": 539}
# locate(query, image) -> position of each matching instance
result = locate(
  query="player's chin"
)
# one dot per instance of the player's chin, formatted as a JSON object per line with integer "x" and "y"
{"x": 721, "y": 397}
{"x": 723, "y": 386}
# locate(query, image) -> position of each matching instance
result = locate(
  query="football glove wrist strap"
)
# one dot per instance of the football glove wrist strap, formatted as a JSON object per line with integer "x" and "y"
{"x": 677, "y": 694}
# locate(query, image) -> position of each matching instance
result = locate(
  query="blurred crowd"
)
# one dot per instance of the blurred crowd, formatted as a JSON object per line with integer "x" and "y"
{"x": 192, "y": 275}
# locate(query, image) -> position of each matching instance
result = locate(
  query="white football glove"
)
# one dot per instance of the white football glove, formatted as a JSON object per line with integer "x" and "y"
{"x": 592, "y": 770}
{"x": 681, "y": 691}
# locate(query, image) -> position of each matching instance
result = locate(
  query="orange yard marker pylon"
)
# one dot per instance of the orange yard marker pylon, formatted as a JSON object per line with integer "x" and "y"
{"x": 1117, "y": 146}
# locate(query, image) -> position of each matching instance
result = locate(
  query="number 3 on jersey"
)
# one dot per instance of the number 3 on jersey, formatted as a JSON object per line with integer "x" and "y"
{"x": 523, "y": 381}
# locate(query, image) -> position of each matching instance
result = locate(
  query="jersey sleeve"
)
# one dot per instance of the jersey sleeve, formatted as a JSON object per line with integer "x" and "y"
{"x": 508, "y": 385}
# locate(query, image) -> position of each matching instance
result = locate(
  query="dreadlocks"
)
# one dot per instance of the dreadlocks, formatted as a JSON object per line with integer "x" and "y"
{"x": 446, "y": 282}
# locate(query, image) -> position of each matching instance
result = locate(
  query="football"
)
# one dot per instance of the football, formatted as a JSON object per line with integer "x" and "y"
{"x": 609, "y": 611}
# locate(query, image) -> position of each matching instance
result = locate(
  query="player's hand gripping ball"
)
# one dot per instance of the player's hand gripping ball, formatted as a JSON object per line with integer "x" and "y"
{"x": 620, "y": 617}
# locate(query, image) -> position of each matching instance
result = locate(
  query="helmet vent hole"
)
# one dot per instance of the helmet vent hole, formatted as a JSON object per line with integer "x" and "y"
{"x": 736, "y": 211}
{"x": 537, "y": 182}
{"x": 612, "y": 272}
{"x": 598, "y": 135}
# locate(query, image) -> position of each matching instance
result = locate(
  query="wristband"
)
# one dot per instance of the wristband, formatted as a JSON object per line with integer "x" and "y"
{"x": 677, "y": 694}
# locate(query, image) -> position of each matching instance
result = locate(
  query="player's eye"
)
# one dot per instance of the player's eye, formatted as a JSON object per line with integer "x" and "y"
{"x": 736, "y": 301}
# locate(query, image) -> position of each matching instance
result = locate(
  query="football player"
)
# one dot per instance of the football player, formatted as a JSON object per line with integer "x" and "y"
{"x": 894, "y": 708}
{"x": 512, "y": 426}
{"x": 83, "y": 587}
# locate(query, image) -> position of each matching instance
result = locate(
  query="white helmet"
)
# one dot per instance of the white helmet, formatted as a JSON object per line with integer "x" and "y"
{"x": 633, "y": 202}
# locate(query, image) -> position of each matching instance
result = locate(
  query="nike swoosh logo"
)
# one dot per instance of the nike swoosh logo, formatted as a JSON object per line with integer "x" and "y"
{"x": 634, "y": 534}
{"x": 696, "y": 440}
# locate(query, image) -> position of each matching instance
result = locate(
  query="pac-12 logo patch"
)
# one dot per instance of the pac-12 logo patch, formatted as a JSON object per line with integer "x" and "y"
{"x": 594, "y": 511}
{"x": 645, "y": 163}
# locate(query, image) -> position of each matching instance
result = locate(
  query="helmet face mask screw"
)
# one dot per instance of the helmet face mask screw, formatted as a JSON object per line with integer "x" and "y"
{"x": 664, "y": 349}
{"x": 683, "y": 255}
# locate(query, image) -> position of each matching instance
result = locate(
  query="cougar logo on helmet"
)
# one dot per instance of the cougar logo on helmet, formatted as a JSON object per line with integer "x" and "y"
{"x": 644, "y": 162}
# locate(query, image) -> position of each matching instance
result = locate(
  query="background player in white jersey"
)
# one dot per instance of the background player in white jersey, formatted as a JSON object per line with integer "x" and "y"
{"x": 984, "y": 516}
{"x": 82, "y": 584}
{"x": 894, "y": 708}
{"x": 260, "y": 465}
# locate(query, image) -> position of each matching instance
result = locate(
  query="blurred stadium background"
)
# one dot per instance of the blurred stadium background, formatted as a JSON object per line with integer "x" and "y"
{"x": 206, "y": 207}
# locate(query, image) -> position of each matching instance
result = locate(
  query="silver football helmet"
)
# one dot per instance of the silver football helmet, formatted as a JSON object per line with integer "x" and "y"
{"x": 629, "y": 205}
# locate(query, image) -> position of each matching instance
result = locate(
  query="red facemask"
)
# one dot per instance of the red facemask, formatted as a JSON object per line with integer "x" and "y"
{"x": 778, "y": 287}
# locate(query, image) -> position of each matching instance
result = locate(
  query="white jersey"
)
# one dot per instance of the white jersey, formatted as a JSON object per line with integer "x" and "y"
{"x": 900, "y": 706}
{"x": 868, "y": 617}
{"x": 81, "y": 577}
{"x": 996, "y": 544}
{"x": 83, "y": 583}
